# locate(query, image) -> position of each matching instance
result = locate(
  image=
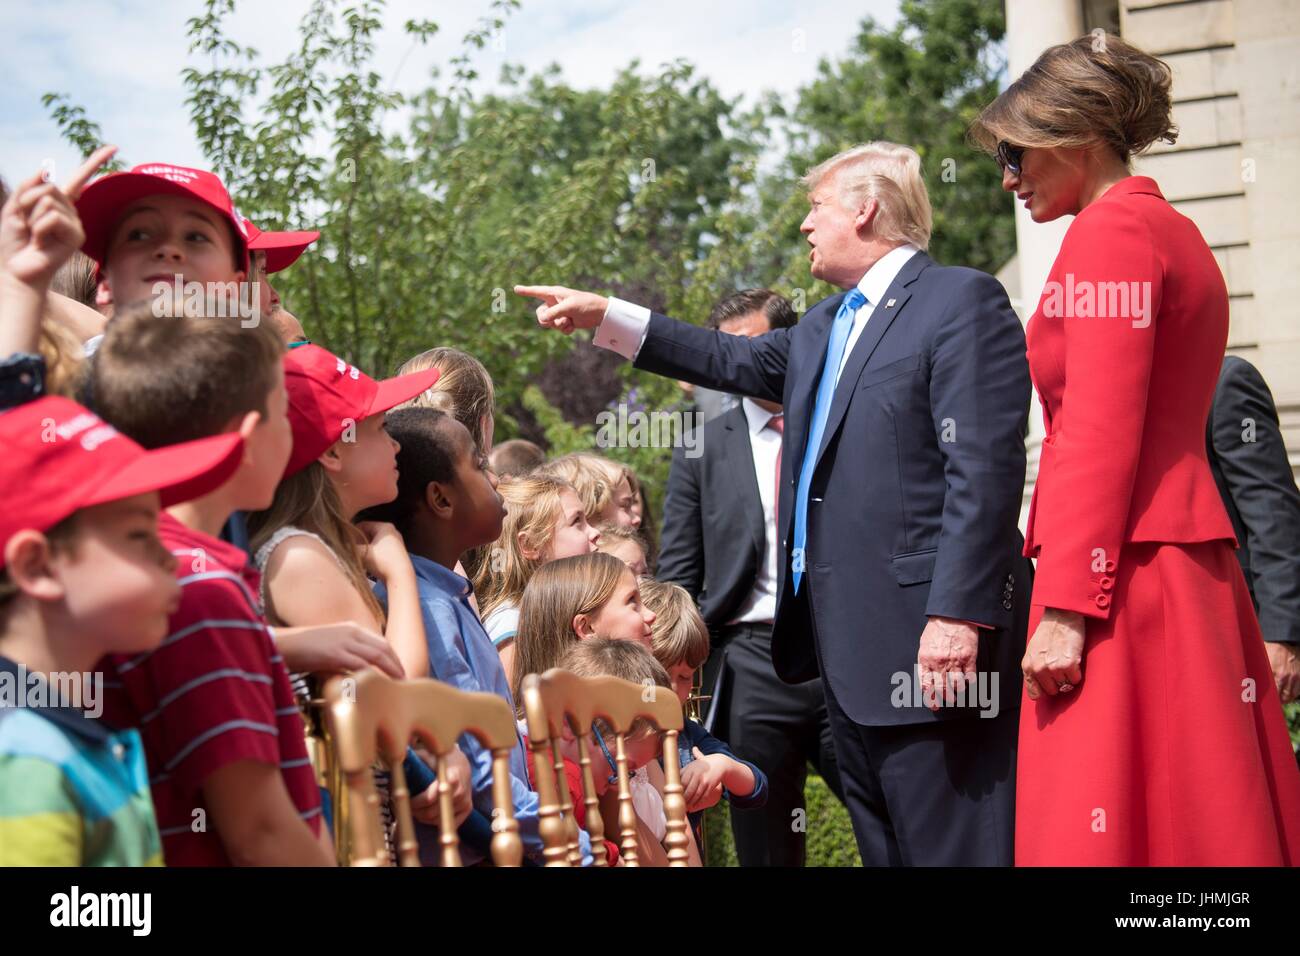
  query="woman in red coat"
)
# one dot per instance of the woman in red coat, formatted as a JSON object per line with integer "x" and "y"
{"x": 1151, "y": 731}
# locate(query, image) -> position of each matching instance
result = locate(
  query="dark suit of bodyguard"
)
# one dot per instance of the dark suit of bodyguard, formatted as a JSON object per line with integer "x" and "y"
{"x": 913, "y": 494}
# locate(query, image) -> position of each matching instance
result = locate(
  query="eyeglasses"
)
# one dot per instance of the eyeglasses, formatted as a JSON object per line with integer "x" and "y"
{"x": 1010, "y": 157}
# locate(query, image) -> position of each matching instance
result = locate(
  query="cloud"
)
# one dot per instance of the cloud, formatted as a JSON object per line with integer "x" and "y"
{"x": 123, "y": 60}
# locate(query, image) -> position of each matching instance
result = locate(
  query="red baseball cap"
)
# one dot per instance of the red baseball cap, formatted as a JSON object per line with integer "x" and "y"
{"x": 102, "y": 202}
{"x": 326, "y": 394}
{"x": 61, "y": 457}
{"x": 282, "y": 248}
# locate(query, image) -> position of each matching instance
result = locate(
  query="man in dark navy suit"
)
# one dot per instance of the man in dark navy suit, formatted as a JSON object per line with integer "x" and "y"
{"x": 720, "y": 542}
{"x": 1248, "y": 457}
{"x": 901, "y": 580}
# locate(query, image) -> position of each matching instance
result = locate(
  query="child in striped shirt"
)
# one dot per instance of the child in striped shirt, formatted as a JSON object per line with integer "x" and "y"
{"x": 225, "y": 743}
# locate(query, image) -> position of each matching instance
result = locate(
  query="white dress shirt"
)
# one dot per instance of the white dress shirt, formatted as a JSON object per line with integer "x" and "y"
{"x": 765, "y": 442}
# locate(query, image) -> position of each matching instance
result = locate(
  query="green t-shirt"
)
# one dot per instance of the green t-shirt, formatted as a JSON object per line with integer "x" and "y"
{"x": 72, "y": 791}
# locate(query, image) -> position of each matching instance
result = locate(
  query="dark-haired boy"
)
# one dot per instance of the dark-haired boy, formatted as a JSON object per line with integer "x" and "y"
{"x": 447, "y": 504}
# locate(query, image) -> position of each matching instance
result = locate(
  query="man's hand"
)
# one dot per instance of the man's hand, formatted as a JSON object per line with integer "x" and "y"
{"x": 39, "y": 227}
{"x": 336, "y": 648}
{"x": 945, "y": 658}
{"x": 566, "y": 309}
{"x": 1284, "y": 659}
{"x": 1053, "y": 659}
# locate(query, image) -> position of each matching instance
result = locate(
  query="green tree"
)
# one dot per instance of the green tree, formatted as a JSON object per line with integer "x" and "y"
{"x": 432, "y": 206}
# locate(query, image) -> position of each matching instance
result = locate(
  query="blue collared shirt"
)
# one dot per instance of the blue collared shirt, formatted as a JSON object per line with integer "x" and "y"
{"x": 461, "y": 654}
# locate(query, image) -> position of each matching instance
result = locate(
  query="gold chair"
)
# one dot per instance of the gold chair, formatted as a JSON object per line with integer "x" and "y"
{"x": 557, "y": 695}
{"x": 371, "y": 716}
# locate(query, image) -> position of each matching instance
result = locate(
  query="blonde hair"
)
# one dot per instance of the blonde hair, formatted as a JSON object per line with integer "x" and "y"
{"x": 1097, "y": 88}
{"x": 65, "y": 362}
{"x": 626, "y": 660}
{"x": 532, "y": 509}
{"x": 615, "y": 534}
{"x": 559, "y": 592}
{"x": 890, "y": 175}
{"x": 594, "y": 477}
{"x": 679, "y": 632}
{"x": 464, "y": 389}
{"x": 308, "y": 500}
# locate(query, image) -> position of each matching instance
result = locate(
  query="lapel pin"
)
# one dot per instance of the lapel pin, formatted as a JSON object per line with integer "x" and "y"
{"x": 890, "y": 303}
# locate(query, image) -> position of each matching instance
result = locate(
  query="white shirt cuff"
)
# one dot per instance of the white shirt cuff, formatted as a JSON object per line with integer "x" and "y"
{"x": 623, "y": 329}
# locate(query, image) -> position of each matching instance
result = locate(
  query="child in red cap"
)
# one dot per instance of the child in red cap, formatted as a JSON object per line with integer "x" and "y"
{"x": 158, "y": 225}
{"x": 82, "y": 574}
{"x": 315, "y": 560}
{"x": 272, "y": 252}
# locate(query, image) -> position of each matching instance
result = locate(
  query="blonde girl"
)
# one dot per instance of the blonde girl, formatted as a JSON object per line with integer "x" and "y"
{"x": 544, "y": 521}
{"x": 603, "y": 486}
{"x": 573, "y": 599}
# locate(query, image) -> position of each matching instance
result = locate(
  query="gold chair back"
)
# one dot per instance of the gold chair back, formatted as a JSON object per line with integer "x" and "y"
{"x": 370, "y": 716}
{"x": 556, "y": 696}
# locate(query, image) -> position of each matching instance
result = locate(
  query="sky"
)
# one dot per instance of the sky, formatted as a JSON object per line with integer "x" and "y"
{"x": 122, "y": 59}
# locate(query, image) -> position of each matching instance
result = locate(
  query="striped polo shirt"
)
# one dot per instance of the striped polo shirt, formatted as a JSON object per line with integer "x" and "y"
{"x": 214, "y": 692}
{"x": 72, "y": 791}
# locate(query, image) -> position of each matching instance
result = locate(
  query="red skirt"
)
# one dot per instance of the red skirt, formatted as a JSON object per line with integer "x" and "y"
{"x": 1173, "y": 751}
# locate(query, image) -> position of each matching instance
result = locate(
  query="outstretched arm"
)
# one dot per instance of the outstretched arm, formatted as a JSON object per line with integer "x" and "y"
{"x": 729, "y": 363}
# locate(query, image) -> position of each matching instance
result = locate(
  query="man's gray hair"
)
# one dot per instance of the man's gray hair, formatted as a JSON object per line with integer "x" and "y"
{"x": 891, "y": 175}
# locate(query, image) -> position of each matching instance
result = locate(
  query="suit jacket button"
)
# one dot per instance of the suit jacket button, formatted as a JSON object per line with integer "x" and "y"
{"x": 1106, "y": 583}
{"x": 1007, "y": 604}
{"x": 1110, "y": 567}
{"x": 1103, "y": 600}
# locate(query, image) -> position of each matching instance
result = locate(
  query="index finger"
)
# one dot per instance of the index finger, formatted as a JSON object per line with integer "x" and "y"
{"x": 541, "y": 291}
{"x": 87, "y": 169}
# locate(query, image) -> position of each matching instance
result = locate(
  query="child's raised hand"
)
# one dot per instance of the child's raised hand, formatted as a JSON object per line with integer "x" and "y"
{"x": 39, "y": 227}
{"x": 702, "y": 780}
{"x": 385, "y": 552}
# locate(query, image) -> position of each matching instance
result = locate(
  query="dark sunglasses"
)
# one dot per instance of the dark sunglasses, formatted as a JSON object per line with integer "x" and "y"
{"x": 1010, "y": 157}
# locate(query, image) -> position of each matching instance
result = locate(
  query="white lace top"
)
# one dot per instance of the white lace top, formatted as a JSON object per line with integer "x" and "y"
{"x": 302, "y": 689}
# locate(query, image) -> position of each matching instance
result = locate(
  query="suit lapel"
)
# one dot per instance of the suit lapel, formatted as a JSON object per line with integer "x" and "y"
{"x": 740, "y": 448}
{"x": 882, "y": 317}
{"x": 803, "y": 392}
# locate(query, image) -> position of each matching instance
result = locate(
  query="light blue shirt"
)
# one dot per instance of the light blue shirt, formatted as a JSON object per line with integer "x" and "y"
{"x": 461, "y": 654}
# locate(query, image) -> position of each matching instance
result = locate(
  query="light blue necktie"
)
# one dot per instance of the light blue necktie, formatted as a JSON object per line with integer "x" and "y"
{"x": 840, "y": 330}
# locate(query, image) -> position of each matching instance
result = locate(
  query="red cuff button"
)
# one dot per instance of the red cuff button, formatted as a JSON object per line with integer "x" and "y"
{"x": 1106, "y": 583}
{"x": 1103, "y": 600}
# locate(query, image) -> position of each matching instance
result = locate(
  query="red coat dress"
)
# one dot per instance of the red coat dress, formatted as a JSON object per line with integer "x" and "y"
{"x": 1173, "y": 750}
